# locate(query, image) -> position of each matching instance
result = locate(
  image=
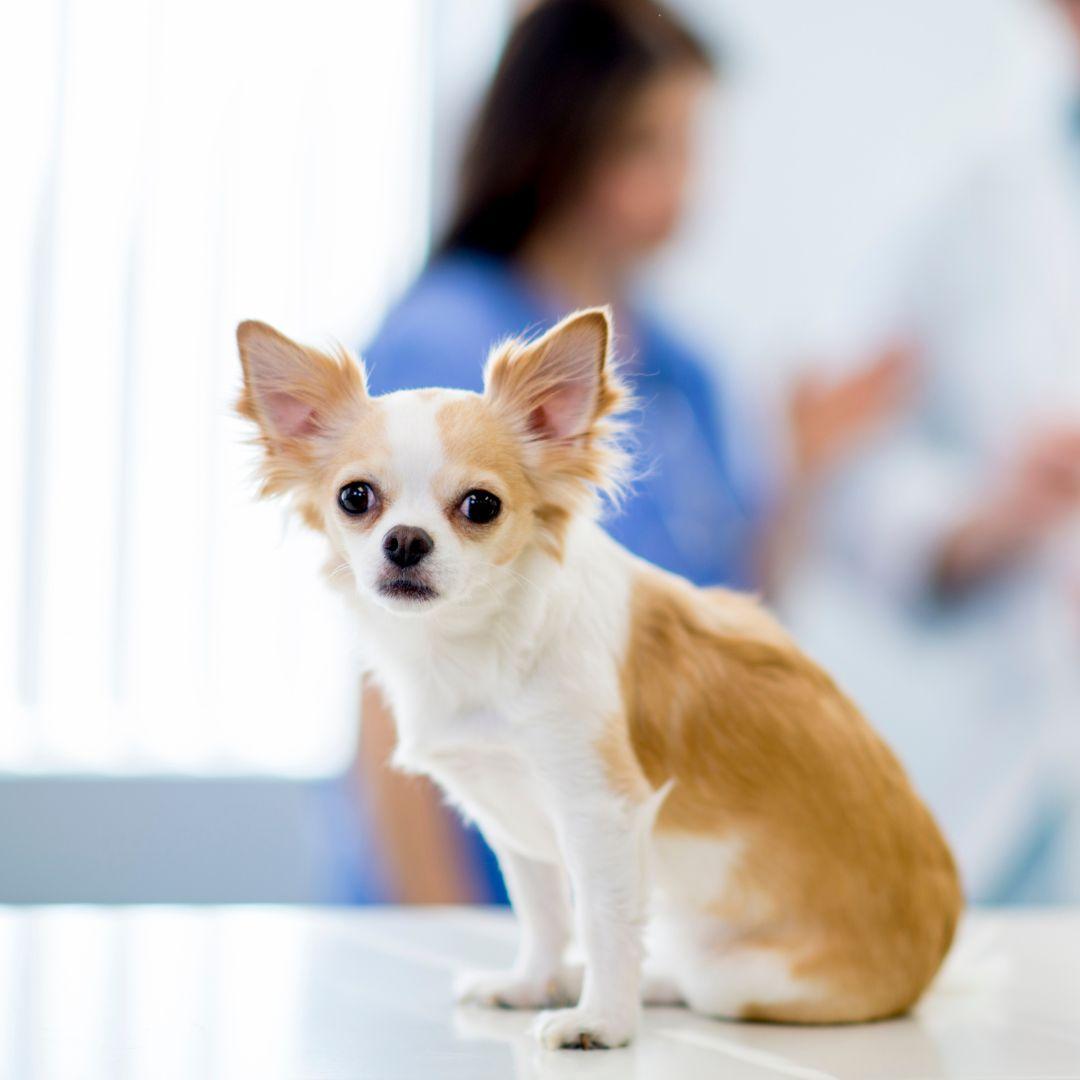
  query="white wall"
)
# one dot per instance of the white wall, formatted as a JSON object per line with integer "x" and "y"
{"x": 841, "y": 127}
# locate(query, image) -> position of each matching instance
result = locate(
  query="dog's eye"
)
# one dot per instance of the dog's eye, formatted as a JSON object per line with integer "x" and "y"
{"x": 480, "y": 507}
{"x": 356, "y": 498}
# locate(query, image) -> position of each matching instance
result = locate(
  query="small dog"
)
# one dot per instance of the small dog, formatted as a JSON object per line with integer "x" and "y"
{"x": 663, "y": 754}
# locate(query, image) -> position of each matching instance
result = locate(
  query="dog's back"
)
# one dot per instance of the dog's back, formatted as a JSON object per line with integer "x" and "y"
{"x": 828, "y": 869}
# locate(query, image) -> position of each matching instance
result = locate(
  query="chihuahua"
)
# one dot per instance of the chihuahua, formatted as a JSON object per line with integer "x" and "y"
{"x": 657, "y": 767}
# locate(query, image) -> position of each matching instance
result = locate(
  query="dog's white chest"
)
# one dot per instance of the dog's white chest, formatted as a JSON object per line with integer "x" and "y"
{"x": 477, "y": 759}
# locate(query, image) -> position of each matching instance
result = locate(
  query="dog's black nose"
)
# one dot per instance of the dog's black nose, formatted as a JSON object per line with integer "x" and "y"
{"x": 406, "y": 545}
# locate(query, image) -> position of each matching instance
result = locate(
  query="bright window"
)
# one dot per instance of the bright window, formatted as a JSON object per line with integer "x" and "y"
{"x": 180, "y": 166}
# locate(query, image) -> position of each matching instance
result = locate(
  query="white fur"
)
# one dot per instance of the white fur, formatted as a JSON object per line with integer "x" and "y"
{"x": 501, "y": 691}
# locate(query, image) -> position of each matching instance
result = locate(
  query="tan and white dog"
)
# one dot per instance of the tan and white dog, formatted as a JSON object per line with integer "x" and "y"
{"x": 664, "y": 755}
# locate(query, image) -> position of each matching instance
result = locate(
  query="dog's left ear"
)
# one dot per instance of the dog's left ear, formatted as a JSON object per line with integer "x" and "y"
{"x": 559, "y": 386}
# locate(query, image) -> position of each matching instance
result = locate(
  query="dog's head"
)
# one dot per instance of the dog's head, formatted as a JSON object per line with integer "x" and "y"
{"x": 428, "y": 495}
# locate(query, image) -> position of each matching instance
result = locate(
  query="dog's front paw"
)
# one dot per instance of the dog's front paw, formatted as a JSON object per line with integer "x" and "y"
{"x": 514, "y": 990}
{"x": 584, "y": 1029}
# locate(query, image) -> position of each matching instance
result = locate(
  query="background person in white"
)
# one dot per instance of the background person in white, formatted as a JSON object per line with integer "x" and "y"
{"x": 950, "y": 600}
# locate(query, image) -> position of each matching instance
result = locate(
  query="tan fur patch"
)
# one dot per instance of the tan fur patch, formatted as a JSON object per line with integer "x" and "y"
{"x": 478, "y": 444}
{"x": 861, "y": 891}
{"x": 332, "y": 385}
{"x": 548, "y": 480}
{"x": 361, "y": 452}
{"x": 566, "y": 473}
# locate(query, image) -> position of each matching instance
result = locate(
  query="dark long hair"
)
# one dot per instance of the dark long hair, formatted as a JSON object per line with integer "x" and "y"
{"x": 566, "y": 76}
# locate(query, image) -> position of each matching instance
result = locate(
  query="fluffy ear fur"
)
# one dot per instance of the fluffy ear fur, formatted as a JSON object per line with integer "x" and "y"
{"x": 560, "y": 392}
{"x": 298, "y": 397}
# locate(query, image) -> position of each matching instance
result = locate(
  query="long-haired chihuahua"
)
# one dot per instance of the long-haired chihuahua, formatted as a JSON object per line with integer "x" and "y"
{"x": 657, "y": 766}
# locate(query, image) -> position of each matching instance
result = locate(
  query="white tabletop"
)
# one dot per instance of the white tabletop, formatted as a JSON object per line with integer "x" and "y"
{"x": 256, "y": 993}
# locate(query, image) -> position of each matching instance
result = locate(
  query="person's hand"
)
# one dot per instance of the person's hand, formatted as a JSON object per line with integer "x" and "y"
{"x": 830, "y": 419}
{"x": 1036, "y": 496}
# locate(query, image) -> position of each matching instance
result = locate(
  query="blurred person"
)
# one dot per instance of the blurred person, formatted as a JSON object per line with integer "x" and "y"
{"x": 576, "y": 172}
{"x": 950, "y": 602}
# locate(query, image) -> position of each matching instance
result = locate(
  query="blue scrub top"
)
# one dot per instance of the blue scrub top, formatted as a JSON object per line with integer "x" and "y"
{"x": 685, "y": 511}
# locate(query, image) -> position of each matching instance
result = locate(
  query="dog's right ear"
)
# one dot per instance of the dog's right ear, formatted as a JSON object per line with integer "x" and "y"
{"x": 292, "y": 392}
{"x": 297, "y": 396}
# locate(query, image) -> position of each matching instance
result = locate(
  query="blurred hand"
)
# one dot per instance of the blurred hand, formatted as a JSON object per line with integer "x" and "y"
{"x": 830, "y": 418}
{"x": 828, "y": 421}
{"x": 1036, "y": 496}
